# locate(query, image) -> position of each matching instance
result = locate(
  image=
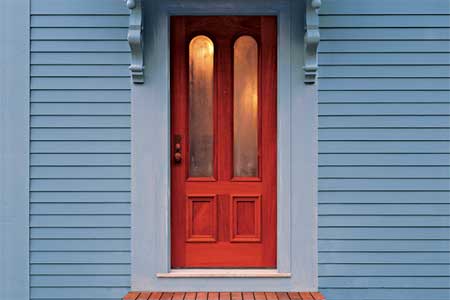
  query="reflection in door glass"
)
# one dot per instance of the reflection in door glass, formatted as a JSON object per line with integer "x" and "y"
{"x": 245, "y": 120}
{"x": 201, "y": 68}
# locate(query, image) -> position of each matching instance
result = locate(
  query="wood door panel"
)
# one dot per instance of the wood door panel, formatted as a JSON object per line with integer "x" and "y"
{"x": 201, "y": 218}
{"x": 245, "y": 218}
{"x": 221, "y": 220}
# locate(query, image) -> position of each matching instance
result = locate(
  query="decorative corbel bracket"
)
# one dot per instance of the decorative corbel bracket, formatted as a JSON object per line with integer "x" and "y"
{"x": 136, "y": 40}
{"x": 312, "y": 39}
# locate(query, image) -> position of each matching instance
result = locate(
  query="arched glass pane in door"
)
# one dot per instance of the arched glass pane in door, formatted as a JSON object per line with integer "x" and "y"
{"x": 201, "y": 86}
{"x": 245, "y": 107}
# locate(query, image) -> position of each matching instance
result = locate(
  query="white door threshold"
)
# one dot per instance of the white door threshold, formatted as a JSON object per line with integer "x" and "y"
{"x": 222, "y": 273}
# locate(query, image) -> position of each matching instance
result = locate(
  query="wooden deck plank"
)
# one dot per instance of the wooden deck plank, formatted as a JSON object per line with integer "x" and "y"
{"x": 224, "y": 296}
{"x": 190, "y": 296}
{"x": 144, "y": 296}
{"x": 168, "y": 296}
{"x": 236, "y": 296}
{"x": 282, "y": 296}
{"x": 271, "y": 296}
{"x": 202, "y": 296}
{"x": 259, "y": 296}
{"x": 155, "y": 296}
{"x": 131, "y": 296}
{"x": 317, "y": 296}
{"x": 294, "y": 296}
{"x": 213, "y": 296}
{"x": 248, "y": 296}
{"x": 306, "y": 296}
{"x": 178, "y": 296}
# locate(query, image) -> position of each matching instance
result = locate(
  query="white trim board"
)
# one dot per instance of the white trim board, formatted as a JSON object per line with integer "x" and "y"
{"x": 297, "y": 175}
{"x": 224, "y": 273}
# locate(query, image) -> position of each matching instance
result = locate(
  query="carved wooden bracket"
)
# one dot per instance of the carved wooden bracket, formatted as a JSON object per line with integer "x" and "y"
{"x": 312, "y": 39}
{"x": 136, "y": 40}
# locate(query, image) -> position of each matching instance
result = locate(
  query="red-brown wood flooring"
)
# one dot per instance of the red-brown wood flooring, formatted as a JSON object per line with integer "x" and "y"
{"x": 224, "y": 296}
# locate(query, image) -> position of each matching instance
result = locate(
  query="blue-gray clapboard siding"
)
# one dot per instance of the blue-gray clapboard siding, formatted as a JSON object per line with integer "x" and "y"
{"x": 80, "y": 150}
{"x": 384, "y": 145}
{"x": 384, "y": 150}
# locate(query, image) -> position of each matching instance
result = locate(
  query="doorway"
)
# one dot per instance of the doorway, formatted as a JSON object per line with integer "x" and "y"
{"x": 224, "y": 141}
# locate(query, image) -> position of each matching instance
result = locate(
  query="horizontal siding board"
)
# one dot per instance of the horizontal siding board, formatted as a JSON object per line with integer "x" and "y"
{"x": 366, "y": 109}
{"x": 380, "y": 21}
{"x": 379, "y": 147}
{"x": 385, "y": 7}
{"x": 384, "y": 84}
{"x": 80, "y": 159}
{"x": 388, "y": 221}
{"x": 388, "y": 46}
{"x": 372, "y": 34}
{"x": 383, "y": 258}
{"x": 341, "y": 245}
{"x": 107, "y": 185}
{"x": 80, "y": 83}
{"x": 385, "y": 134}
{"x": 382, "y": 282}
{"x": 80, "y": 134}
{"x": 80, "y": 233}
{"x": 80, "y": 245}
{"x": 385, "y": 209}
{"x": 80, "y": 96}
{"x": 80, "y": 269}
{"x": 369, "y": 59}
{"x": 80, "y": 208}
{"x": 94, "y": 58}
{"x": 81, "y": 121}
{"x": 104, "y": 221}
{"x": 64, "y": 109}
{"x": 426, "y": 73}
{"x": 116, "y": 172}
{"x": 83, "y": 292}
{"x": 383, "y": 172}
{"x": 383, "y": 96}
{"x": 80, "y": 147}
{"x": 394, "y": 233}
{"x": 358, "y": 159}
{"x": 375, "y": 294}
{"x": 383, "y": 121}
{"x": 80, "y": 281}
{"x": 385, "y": 270}
{"x": 55, "y": 34}
{"x": 64, "y": 71}
{"x": 61, "y": 46}
{"x": 106, "y": 257}
{"x": 371, "y": 184}
{"x": 79, "y": 7}
{"x": 77, "y": 21}
{"x": 384, "y": 197}
{"x": 79, "y": 197}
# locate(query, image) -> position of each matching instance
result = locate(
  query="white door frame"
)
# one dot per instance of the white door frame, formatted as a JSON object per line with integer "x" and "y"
{"x": 296, "y": 169}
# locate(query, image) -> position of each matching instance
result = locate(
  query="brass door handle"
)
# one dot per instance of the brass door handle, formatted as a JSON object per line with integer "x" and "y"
{"x": 177, "y": 157}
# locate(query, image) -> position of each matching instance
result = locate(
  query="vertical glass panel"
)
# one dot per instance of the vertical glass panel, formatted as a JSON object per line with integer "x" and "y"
{"x": 201, "y": 68}
{"x": 245, "y": 119}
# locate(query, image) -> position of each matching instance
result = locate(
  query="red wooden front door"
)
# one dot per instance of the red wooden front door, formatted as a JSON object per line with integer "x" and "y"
{"x": 223, "y": 127}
